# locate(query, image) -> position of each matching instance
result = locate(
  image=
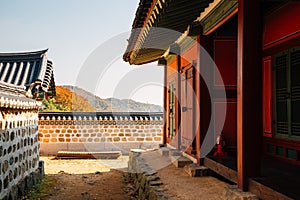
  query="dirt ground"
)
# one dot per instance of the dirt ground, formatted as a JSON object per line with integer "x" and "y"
{"x": 180, "y": 186}
{"x": 104, "y": 185}
{"x": 108, "y": 180}
{"x": 84, "y": 180}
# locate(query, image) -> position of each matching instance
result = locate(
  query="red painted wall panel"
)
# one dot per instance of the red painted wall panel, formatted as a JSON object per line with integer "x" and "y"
{"x": 282, "y": 24}
{"x": 189, "y": 55}
{"x": 225, "y": 57}
{"x": 267, "y": 96}
{"x": 229, "y": 129}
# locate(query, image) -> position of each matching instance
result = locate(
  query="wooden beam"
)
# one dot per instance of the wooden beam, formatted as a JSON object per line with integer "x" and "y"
{"x": 221, "y": 169}
{"x": 249, "y": 89}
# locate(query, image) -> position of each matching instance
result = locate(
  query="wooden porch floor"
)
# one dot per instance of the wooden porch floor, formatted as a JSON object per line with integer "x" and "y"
{"x": 276, "y": 175}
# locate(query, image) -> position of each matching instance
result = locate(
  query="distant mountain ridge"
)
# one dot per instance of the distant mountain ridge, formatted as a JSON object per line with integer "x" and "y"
{"x": 113, "y": 104}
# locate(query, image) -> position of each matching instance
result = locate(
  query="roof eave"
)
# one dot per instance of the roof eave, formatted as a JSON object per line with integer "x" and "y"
{"x": 169, "y": 15}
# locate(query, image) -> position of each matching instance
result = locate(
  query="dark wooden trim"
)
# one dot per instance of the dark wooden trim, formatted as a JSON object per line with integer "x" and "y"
{"x": 220, "y": 169}
{"x": 249, "y": 109}
{"x": 265, "y": 192}
{"x": 286, "y": 145}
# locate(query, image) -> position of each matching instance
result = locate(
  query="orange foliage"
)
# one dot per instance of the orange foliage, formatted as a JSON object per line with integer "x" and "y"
{"x": 71, "y": 100}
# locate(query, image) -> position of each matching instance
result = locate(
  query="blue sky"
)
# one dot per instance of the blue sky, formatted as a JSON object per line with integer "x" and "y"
{"x": 72, "y": 30}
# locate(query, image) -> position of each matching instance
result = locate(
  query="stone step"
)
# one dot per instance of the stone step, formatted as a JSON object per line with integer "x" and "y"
{"x": 195, "y": 170}
{"x": 232, "y": 192}
{"x": 174, "y": 152}
{"x": 180, "y": 161}
{"x": 164, "y": 151}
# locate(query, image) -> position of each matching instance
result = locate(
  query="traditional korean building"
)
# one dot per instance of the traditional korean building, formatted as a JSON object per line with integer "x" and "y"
{"x": 24, "y": 77}
{"x": 255, "y": 46}
{"x": 31, "y": 70}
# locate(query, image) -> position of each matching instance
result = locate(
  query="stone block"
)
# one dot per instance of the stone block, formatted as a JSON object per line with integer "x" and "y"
{"x": 164, "y": 151}
{"x": 232, "y": 192}
{"x": 195, "y": 170}
{"x": 53, "y": 140}
{"x": 155, "y": 183}
{"x": 174, "y": 152}
{"x": 41, "y": 168}
{"x": 180, "y": 161}
{"x": 13, "y": 193}
{"x": 148, "y": 139}
{"x": 46, "y": 140}
{"x": 29, "y": 182}
{"x": 21, "y": 187}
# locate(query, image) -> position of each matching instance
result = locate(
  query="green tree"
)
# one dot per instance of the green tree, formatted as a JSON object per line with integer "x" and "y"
{"x": 51, "y": 106}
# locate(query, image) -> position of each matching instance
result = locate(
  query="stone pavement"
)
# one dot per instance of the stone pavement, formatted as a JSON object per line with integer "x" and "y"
{"x": 177, "y": 184}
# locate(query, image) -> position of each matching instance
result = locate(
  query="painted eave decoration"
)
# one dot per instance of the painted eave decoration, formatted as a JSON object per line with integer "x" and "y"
{"x": 175, "y": 15}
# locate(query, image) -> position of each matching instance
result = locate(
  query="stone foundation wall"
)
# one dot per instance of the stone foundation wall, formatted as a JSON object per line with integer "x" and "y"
{"x": 146, "y": 182}
{"x": 19, "y": 150}
{"x": 98, "y": 131}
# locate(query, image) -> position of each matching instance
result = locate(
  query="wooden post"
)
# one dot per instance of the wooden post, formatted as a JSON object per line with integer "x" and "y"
{"x": 201, "y": 92}
{"x": 163, "y": 62}
{"x": 178, "y": 95}
{"x": 175, "y": 50}
{"x": 249, "y": 98}
{"x": 197, "y": 116}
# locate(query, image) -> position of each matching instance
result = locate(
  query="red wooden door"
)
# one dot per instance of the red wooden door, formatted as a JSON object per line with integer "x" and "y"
{"x": 173, "y": 113}
{"x": 187, "y": 98}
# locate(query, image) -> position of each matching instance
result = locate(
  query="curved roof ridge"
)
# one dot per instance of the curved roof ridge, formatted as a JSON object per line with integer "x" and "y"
{"x": 39, "y": 52}
{"x": 4, "y": 86}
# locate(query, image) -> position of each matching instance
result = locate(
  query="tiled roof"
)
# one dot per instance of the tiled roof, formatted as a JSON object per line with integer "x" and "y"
{"x": 13, "y": 97}
{"x": 23, "y": 69}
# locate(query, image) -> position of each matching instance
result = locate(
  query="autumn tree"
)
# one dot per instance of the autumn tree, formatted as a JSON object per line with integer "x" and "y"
{"x": 67, "y": 100}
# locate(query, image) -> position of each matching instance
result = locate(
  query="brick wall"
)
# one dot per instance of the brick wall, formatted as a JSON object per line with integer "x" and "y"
{"x": 99, "y": 131}
{"x": 19, "y": 152}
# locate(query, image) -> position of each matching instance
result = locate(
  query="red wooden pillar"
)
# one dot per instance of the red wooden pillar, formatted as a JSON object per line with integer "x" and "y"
{"x": 178, "y": 96}
{"x": 163, "y": 62}
{"x": 175, "y": 50}
{"x": 198, "y": 102}
{"x": 249, "y": 98}
{"x": 202, "y": 94}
